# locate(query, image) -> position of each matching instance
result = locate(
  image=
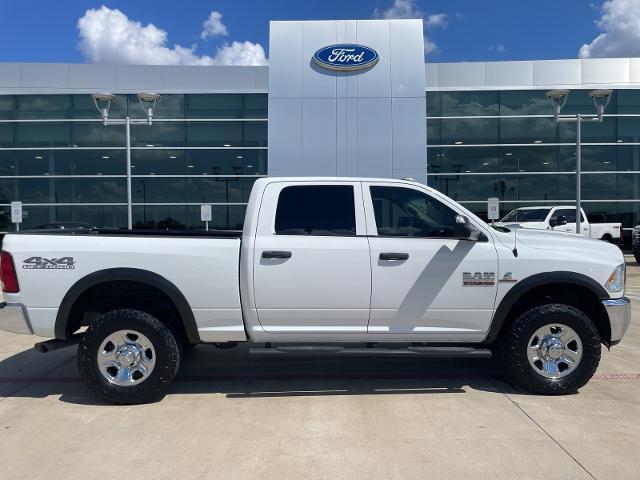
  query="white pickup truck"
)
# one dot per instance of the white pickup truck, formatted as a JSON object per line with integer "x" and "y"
{"x": 324, "y": 266}
{"x": 562, "y": 219}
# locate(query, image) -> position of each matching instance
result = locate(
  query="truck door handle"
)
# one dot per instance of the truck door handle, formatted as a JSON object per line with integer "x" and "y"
{"x": 394, "y": 256}
{"x": 276, "y": 254}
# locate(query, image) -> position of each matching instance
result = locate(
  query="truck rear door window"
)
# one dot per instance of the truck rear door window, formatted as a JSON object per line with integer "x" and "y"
{"x": 316, "y": 210}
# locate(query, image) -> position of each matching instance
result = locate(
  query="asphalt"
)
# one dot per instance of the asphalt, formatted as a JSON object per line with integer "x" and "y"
{"x": 229, "y": 415}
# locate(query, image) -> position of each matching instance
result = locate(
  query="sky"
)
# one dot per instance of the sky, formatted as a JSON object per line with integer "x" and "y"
{"x": 235, "y": 32}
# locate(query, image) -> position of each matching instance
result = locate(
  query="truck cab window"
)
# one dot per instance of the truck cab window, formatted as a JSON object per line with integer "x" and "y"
{"x": 316, "y": 210}
{"x": 405, "y": 212}
{"x": 569, "y": 214}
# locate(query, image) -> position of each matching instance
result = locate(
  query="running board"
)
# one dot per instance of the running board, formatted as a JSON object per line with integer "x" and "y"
{"x": 321, "y": 351}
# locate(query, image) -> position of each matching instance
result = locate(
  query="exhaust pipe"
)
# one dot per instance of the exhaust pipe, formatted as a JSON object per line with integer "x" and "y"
{"x": 55, "y": 344}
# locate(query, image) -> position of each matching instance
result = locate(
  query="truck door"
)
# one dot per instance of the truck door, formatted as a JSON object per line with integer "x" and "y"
{"x": 427, "y": 285}
{"x": 311, "y": 266}
{"x": 570, "y": 215}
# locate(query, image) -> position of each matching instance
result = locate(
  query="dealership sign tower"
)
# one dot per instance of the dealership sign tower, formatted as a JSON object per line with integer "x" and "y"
{"x": 346, "y": 98}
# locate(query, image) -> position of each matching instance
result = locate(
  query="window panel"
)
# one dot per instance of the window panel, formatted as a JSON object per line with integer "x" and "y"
{"x": 227, "y": 162}
{"x": 43, "y": 135}
{"x": 162, "y": 217}
{"x": 462, "y": 160}
{"x": 6, "y": 135}
{"x": 628, "y": 187}
{"x": 160, "y": 134}
{"x": 529, "y": 187}
{"x": 44, "y": 106}
{"x": 316, "y": 210}
{"x": 63, "y": 190}
{"x": 95, "y": 134}
{"x": 8, "y": 108}
{"x": 465, "y": 187}
{"x": 255, "y": 105}
{"x": 528, "y": 130}
{"x": 434, "y": 132}
{"x": 107, "y": 216}
{"x": 469, "y": 131}
{"x": 214, "y": 134}
{"x": 592, "y": 132}
{"x": 528, "y": 159}
{"x": 63, "y": 162}
{"x": 83, "y": 107}
{"x": 525, "y": 102}
{"x": 434, "y": 104}
{"x": 219, "y": 189}
{"x": 628, "y": 129}
{"x": 469, "y": 103}
{"x": 594, "y": 158}
{"x": 159, "y": 162}
{"x": 159, "y": 190}
{"x": 215, "y": 106}
{"x": 628, "y": 101}
{"x": 579, "y": 101}
{"x": 224, "y": 217}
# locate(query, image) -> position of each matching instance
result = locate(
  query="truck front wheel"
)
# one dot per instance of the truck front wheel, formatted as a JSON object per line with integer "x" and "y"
{"x": 551, "y": 349}
{"x": 128, "y": 357}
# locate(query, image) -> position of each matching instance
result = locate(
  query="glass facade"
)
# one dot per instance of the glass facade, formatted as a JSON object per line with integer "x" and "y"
{"x": 506, "y": 144}
{"x": 58, "y": 158}
{"x": 64, "y": 165}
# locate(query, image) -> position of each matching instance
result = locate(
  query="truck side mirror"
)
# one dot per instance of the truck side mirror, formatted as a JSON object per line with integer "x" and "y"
{"x": 465, "y": 230}
{"x": 557, "y": 220}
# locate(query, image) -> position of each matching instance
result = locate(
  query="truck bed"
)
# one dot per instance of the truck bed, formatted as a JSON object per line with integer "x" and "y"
{"x": 135, "y": 232}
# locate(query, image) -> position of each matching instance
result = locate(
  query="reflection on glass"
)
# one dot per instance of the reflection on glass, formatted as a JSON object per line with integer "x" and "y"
{"x": 469, "y": 131}
{"x": 469, "y": 103}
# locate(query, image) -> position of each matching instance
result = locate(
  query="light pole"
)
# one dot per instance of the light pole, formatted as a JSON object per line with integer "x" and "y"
{"x": 148, "y": 101}
{"x": 601, "y": 99}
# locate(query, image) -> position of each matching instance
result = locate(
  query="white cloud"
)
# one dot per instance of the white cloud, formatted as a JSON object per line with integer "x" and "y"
{"x": 430, "y": 46}
{"x": 109, "y": 36}
{"x": 497, "y": 48}
{"x": 240, "y": 53}
{"x": 213, "y": 26}
{"x": 620, "y": 25}
{"x": 399, "y": 9}
{"x": 409, "y": 9}
{"x": 436, "y": 20}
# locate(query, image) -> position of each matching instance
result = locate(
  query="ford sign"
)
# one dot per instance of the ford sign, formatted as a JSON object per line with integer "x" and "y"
{"x": 346, "y": 57}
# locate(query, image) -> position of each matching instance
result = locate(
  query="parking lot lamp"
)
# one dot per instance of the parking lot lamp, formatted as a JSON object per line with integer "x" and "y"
{"x": 601, "y": 99}
{"x": 148, "y": 102}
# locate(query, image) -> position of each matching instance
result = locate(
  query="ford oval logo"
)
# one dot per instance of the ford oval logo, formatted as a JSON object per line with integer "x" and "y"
{"x": 346, "y": 57}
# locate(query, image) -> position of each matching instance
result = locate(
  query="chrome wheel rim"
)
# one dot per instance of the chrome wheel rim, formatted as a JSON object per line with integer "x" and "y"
{"x": 126, "y": 358}
{"x": 554, "y": 351}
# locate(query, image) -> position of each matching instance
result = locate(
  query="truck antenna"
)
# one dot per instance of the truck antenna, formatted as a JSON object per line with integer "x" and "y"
{"x": 515, "y": 237}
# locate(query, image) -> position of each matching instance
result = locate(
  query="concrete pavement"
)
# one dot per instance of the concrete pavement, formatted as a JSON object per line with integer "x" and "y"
{"x": 231, "y": 416}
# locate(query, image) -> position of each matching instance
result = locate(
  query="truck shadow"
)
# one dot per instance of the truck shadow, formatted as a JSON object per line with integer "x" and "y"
{"x": 237, "y": 375}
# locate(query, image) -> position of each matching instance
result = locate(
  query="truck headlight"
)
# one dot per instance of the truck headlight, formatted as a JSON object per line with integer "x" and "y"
{"x": 615, "y": 283}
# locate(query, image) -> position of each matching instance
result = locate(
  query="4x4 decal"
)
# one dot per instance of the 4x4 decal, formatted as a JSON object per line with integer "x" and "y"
{"x": 48, "y": 263}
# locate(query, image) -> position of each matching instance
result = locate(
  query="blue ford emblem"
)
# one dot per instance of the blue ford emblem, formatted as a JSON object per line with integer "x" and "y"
{"x": 346, "y": 56}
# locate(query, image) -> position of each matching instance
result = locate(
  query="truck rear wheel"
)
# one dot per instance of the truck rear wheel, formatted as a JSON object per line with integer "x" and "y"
{"x": 128, "y": 357}
{"x": 636, "y": 255}
{"x": 551, "y": 349}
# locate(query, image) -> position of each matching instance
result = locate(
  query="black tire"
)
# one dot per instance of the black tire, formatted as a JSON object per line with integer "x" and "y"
{"x": 607, "y": 238}
{"x": 636, "y": 255}
{"x": 515, "y": 342}
{"x": 167, "y": 357}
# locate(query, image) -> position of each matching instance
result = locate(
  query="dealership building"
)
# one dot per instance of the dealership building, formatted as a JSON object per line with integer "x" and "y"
{"x": 471, "y": 130}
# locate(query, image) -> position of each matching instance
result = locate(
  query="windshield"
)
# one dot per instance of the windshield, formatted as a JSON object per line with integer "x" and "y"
{"x": 522, "y": 216}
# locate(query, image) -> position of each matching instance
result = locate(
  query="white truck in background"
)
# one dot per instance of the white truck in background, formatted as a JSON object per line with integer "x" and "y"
{"x": 562, "y": 218}
{"x": 323, "y": 266}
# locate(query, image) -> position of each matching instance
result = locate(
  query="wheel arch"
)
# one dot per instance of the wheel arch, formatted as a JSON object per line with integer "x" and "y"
{"x": 547, "y": 281}
{"x": 135, "y": 275}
